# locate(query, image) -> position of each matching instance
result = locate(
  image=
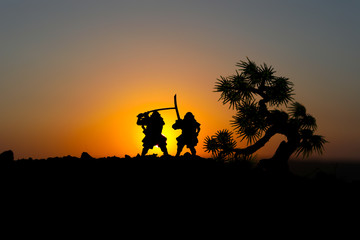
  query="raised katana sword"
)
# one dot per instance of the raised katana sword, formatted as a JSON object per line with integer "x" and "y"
{"x": 162, "y": 109}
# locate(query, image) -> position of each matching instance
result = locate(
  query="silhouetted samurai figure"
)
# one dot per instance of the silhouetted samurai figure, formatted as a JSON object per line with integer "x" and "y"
{"x": 152, "y": 126}
{"x": 190, "y": 131}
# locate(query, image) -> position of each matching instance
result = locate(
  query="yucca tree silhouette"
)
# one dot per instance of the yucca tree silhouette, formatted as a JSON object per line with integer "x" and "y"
{"x": 257, "y": 94}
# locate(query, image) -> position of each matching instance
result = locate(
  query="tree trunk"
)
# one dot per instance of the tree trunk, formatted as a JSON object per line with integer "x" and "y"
{"x": 279, "y": 162}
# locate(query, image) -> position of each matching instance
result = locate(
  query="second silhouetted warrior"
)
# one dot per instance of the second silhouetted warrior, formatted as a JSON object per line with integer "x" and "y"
{"x": 190, "y": 131}
{"x": 152, "y": 126}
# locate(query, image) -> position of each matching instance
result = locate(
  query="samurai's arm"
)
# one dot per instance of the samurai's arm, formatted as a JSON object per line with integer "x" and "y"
{"x": 197, "y": 128}
{"x": 143, "y": 119}
{"x": 177, "y": 124}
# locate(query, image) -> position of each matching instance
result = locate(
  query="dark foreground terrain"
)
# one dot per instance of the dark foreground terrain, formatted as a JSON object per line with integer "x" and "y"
{"x": 157, "y": 191}
{"x": 184, "y": 171}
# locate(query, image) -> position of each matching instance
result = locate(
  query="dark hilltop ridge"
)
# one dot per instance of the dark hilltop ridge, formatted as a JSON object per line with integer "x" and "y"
{"x": 169, "y": 169}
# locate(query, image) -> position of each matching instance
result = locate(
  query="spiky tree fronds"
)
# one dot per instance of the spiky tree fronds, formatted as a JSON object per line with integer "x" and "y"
{"x": 250, "y": 71}
{"x": 279, "y": 91}
{"x": 224, "y": 86}
{"x": 220, "y": 144}
{"x": 249, "y": 122}
{"x": 256, "y": 76}
{"x": 254, "y": 80}
{"x": 277, "y": 117}
{"x": 211, "y": 145}
{"x": 310, "y": 144}
{"x": 249, "y": 158}
{"x": 308, "y": 122}
{"x": 233, "y": 89}
{"x": 225, "y": 140}
{"x": 266, "y": 73}
{"x": 251, "y": 91}
{"x": 299, "y": 115}
{"x": 297, "y": 110}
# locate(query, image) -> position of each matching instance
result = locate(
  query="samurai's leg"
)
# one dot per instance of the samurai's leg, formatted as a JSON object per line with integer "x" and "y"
{"x": 164, "y": 150}
{"x": 144, "y": 151}
{"x": 179, "y": 149}
{"x": 192, "y": 150}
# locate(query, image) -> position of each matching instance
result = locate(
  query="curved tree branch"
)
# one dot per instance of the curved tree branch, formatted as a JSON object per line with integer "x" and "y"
{"x": 259, "y": 144}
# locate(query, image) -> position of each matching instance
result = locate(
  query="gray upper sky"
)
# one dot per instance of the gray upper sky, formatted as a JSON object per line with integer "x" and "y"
{"x": 52, "y": 50}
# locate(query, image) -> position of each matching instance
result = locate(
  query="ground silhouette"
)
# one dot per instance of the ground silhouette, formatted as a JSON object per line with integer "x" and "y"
{"x": 152, "y": 170}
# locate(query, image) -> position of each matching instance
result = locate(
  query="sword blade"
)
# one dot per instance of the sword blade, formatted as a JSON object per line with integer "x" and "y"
{"x": 161, "y": 109}
{"x": 176, "y": 108}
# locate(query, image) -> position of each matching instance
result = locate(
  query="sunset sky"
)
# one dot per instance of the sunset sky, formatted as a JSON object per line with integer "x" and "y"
{"x": 74, "y": 74}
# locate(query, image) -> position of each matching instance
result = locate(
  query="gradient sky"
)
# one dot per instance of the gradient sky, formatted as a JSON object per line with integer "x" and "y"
{"x": 74, "y": 74}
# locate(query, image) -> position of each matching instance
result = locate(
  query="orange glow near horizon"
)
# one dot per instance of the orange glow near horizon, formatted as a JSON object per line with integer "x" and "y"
{"x": 74, "y": 76}
{"x": 115, "y": 132}
{"x": 65, "y": 103}
{"x": 105, "y": 125}
{"x": 98, "y": 115}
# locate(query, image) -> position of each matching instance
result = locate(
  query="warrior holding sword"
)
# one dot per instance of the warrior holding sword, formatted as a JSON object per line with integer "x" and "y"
{"x": 153, "y": 126}
{"x": 190, "y": 131}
